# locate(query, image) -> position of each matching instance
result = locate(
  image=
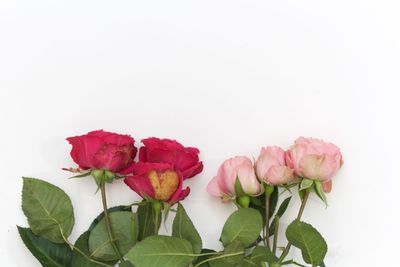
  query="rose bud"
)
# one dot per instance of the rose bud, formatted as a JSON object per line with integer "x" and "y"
{"x": 223, "y": 185}
{"x": 315, "y": 159}
{"x": 182, "y": 159}
{"x": 157, "y": 181}
{"x": 103, "y": 150}
{"x": 271, "y": 167}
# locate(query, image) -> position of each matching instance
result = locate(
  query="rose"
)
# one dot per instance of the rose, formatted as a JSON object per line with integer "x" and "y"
{"x": 271, "y": 168}
{"x": 223, "y": 185}
{"x": 327, "y": 186}
{"x": 158, "y": 181}
{"x": 103, "y": 150}
{"x": 314, "y": 159}
{"x": 182, "y": 159}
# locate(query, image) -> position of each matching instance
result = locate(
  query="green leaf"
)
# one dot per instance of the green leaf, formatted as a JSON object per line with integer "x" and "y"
{"x": 165, "y": 251}
{"x": 166, "y": 211}
{"x": 306, "y": 183}
{"x": 259, "y": 255}
{"x": 47, "y": 253}
{"x": 125, "y": 229}
{"x": 148, "y": 223}
{"x": 126, "y": 264}
{"x": 238, "y": 188}
{"x": 244, "y": 225}
{"x": 263, "y": 254}
{"x": 232, "y": 249}
{"x": 79, "y": 260}
{"x": 233, "y": 254}
{"x": 258, "y": 202}
{"x": 48, "y": 209}
{"x": 320, "y": 192}
{"x": 204, "y": 257}
{"x": 273, "y": 201}
{"x": 220, "y": 263}
{"x": 110, "y": 210}
{"x": 183, "y": 227}
{"x": 305, "y": 237}
{"x": 301, "y": 194}
{"x": 282, "y": 209}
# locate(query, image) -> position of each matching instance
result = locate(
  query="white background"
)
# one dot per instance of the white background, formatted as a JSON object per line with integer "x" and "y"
{"x": 225, "y": 76}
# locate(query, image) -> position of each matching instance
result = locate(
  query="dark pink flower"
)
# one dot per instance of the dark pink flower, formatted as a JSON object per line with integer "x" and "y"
{"x": 182, "y": 159}
{"x": 157, "y": 181}
{"x": 103, "y": 150}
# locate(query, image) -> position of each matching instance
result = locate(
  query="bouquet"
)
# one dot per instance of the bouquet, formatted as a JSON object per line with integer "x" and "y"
{"x": 128, "y": 235}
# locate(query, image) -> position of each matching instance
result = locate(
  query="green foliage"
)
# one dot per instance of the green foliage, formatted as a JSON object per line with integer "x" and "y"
{"x": 238, "y": 188}
{"x": 48, "y": 210}
{"x": 86, "y": 260}
{"x": 281, "y": 210}
{"x": 273, "y": 201}
{"x": 259, "y": 255}
{"x": 232, "y": 255}
{"x": 283, "y": 207}
{"x": 149, "y": 222}
{"x": 320, "y": 192}
{"x": 110, "y": 210}
{"x": 47, "y": 253}
{"x": 308, "y": 240}
{"x": 244, "y": 225}
{"x": 204, "y": 257}
{"x": 125, "y": 264}
{"x": 156, "y": 251}
{"x": 125, "y": 229}
{"x": 258, "y": 203}
{"x": 183, "y": 227}
{"x": 50, "y": 215}
{"x": 306, "y": 183}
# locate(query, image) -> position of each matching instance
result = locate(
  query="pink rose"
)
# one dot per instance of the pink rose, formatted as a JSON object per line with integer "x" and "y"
{"x": 314, "y": 159}
{"x": 103, "y": 150}
{"x": 327, "y": 186}
{"x": 271, "y": 167}
{"x": 158, "y": 181}
{"x": 223, "y": 185}
{"x": 183, "y": 159}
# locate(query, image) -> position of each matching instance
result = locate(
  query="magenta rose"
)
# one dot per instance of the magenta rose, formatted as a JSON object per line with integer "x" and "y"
{"x": 103, "y": 150}
{"x": 271, "y": 167}
{"x": 314, "y": 159}
{"x": 182, "y": 159}
{"x": 158, "y": 181}
{"x": 223, "y": 185}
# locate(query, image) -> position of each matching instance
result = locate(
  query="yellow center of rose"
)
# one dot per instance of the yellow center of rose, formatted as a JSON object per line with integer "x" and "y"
{"x": 164, "y": 184}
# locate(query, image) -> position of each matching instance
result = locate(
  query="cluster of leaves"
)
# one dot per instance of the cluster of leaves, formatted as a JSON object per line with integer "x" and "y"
{"x": 51, "y": 219}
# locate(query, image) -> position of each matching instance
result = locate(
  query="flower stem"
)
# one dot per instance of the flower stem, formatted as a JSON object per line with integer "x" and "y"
{"x": 108, "y": 222}
{"x": 156, "y": 211}
{"x": 156, "y": 222}
{"x": 275, "y": 234}
{"x": 266, "y": 236}
{"x": 301, "y": 210}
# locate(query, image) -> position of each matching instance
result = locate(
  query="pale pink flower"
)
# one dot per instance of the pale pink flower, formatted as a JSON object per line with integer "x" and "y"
{"x": 271, "y": 167}
{"x": 223, "y": 185}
